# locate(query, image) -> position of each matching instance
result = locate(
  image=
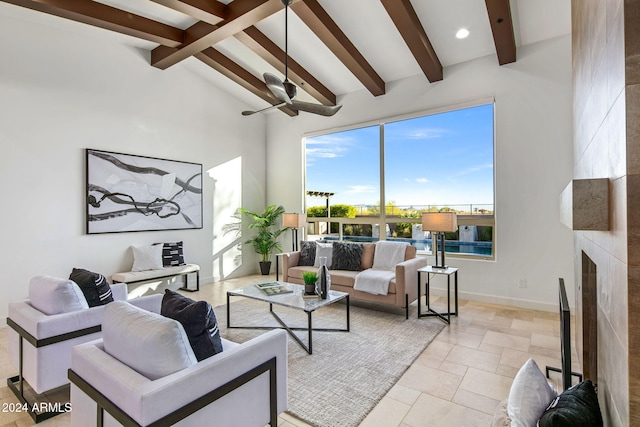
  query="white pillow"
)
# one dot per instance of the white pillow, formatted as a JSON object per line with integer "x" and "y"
{"x": 529, "y": 396}
{"x": 388, "y": 255}
{"x": 147, "y": 258}
{"x": 153, "y": 345}
{"x": 52, "y": 295}
{"x": 323, "y": 250}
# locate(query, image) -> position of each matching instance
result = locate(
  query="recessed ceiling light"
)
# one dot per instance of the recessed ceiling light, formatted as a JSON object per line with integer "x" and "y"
{"x": 462, "y": 33}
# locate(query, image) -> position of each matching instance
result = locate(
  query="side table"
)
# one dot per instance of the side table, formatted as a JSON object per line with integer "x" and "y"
{"x": 278, "y": 265}
{"x": 449, "y": 271}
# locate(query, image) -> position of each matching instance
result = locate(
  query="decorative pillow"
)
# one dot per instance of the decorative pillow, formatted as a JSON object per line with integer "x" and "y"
{"x": 147, "y": 257}
{"x": 94, "y": 286}
{"x": 51, "y": 295}
{"x": 198, "y": 320}
{"x": 529, "y": 396}
{"x": 367, "y": 255}
{"x": 172, "y": 254}
{"x": 388, "y": 254}
{"x": 346, "y": 256}
{"x": 307, "y": 253}
{"x": 576, "y": 406}
{"x": 323, "y": 250}
{"x": 153, "y": 345}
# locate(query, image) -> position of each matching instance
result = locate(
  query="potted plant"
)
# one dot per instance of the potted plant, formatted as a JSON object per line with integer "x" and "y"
{"x": 310, "y": 278}
{"x": 268, "y": 226}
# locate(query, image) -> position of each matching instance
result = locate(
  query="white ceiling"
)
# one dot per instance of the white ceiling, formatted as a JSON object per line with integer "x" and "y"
{"x": 366, "y": 24}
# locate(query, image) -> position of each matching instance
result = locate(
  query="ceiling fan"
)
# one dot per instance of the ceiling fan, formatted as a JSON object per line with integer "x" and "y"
{"x": 285, "y": 91}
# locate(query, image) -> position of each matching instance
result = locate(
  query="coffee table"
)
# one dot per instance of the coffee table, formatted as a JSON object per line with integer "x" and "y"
{"x": 293, "y": 300}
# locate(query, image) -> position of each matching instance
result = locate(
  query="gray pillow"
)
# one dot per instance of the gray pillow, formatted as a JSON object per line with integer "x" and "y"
{"x": 307, "y": 253}
{"x": 346, "y": 256}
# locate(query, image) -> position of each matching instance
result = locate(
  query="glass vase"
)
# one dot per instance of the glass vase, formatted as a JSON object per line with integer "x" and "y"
{"x": 324, "y": 279}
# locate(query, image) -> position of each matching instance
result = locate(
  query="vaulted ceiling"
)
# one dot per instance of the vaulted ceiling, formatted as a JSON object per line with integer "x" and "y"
{"x": 335, "y": 46}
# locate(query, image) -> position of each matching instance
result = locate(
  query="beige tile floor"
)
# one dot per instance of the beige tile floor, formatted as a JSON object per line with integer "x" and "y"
{"x": 458, "y": 380}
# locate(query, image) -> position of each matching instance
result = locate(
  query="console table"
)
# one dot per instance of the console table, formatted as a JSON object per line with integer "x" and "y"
{"x": 449, "y": 271}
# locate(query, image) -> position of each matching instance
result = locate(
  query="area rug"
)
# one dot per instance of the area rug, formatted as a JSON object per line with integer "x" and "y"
{"x": 348, "y": 372}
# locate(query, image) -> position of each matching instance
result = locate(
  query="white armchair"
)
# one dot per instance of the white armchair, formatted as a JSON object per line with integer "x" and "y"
{"x": 244, "y": 385}
{"x": 40, "y": 343}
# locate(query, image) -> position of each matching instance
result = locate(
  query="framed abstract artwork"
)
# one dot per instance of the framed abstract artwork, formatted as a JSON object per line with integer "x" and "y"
{"x": 135, "y": 193}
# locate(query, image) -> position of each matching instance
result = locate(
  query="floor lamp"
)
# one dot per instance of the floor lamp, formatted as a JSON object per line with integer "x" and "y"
{"x": 439, "y": 223}
{"x": 294, "y": 221}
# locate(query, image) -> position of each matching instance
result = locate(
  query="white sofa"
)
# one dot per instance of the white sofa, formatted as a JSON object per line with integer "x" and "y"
{"x": 47, "y": 339}
{"x": 244, "y": 385}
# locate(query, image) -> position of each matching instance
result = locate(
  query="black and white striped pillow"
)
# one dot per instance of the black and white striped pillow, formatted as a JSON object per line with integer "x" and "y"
{"x": 94, "y": 286}
{"x": 172, "y": 255}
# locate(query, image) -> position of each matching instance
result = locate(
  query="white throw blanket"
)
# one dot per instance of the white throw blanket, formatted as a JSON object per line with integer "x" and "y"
{"x": 376, "y": 280}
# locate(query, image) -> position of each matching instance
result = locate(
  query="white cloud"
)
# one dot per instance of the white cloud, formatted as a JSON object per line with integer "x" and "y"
{"x": 357, "y": 189}
{"x": 473, "y": 169}
{"x": 426, "y": 133}
{"x": 422, "y": 180}
{"x": 327, "y": 147}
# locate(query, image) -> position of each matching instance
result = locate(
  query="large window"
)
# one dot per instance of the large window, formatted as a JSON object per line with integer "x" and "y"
{"x": 377, "y": 180}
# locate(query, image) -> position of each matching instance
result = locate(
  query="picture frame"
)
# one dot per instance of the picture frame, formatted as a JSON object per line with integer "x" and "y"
{"x": 129, "y": 193}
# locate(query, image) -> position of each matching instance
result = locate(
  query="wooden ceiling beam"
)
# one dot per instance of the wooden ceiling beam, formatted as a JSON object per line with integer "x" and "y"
{"x": 235, "y": 72}
{"x": 107, "y": 17}
{"x": 240, "y": 14}
{"x": 408, "y": 24}
{"x": 260, "y": 44}
{"x": 319, "y": 21}
{"x": 499, "y": 12}
{"x": 211, "y": 12}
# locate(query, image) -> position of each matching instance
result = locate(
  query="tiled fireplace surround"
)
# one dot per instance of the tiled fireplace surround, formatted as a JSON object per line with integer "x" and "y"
{"x": 606, "y": 115}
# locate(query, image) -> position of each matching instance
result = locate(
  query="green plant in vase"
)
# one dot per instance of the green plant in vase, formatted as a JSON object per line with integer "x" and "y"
{"x": 268, "y": 226}
{"x": 310, "y": 278}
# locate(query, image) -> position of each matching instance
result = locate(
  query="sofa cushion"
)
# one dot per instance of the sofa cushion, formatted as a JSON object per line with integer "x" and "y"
{"x": 529, "y": 395}
{"x": 576, "y": 406}
{"x": 172, "y": 254}
{"x": 149, "y": 343}
{"x": 368, "y": 250}
{"x": 346, "y": 256}
{"x": 94, "y": 286}
{"x": 51, "y": 295}
{"x": 198, "y": 320}
{"x": 307, "y": 253}
{"x": 296, "y": 272}
{"x": 389, "y": 254}
{"x": 323, "y": 250}
{"x": 147, "y": 257}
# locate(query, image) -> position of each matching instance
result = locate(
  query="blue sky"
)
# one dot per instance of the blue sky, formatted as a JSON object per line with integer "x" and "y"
{"x": 441, "y": 159}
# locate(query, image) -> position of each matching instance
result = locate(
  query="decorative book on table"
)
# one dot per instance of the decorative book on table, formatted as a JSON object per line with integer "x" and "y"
{"x": 274, "y": 288}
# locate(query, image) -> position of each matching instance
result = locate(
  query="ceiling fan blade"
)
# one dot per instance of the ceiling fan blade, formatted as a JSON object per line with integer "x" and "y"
{"x": 249, "y": 112}
{"x": 276, "y": 87}
{"x": 323, "y": 110}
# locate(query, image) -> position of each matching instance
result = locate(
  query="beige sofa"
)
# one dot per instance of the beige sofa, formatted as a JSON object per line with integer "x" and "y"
{"x": 403, "y": 290}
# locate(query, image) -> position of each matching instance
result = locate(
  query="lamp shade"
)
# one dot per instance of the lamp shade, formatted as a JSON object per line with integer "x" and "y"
{"x": 439, "y": 221}
{"x": 294, "y": 220}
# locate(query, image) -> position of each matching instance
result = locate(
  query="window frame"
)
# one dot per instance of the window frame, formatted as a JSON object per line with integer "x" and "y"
{"x": 484, "y": 220}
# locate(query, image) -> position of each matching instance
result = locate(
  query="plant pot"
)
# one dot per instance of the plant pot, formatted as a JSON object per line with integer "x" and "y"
{"x": 265, "y": 267}
{"x": 310, "y": 289}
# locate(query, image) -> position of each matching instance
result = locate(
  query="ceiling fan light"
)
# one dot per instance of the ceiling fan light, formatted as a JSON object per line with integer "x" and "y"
{"x": 291, "y": 89}
{"x": 462, "y": 33}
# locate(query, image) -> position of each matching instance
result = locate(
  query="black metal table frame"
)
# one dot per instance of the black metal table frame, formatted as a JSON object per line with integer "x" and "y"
{"x": 308, "y": 348}
{"x": 431, "y": 312}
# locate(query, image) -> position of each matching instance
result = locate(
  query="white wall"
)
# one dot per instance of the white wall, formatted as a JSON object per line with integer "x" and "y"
{"x": 63, "y": 90}
{"x": 533, "y": 163}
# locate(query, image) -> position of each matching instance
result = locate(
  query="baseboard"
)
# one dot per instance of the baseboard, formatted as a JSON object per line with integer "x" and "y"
{"x": 500, "y": 300}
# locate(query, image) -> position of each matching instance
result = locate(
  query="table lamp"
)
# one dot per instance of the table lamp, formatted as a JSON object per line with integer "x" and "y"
{"x": 438, "y": 223}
